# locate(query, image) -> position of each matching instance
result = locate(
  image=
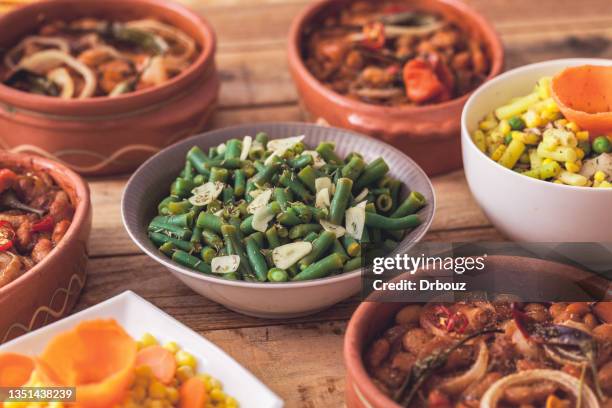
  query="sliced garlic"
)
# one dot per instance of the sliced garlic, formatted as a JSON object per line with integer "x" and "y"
{"x": 261, "y": 200}
{"x": 323, "y": 182}
{"x": 221, "y": 148}
{"x": 362, "y": 196}
{"x": 336, "y": 229}
{"x": 271, "y": 157}
{"x": 225, "y": 264}
{"x": 355, "y": 220}
{"x": 206, "y": 193}
{"x": 261, "y": 218}
{"x": 318, "y": 161}
{"x": 284, "y": 144}
{"x": 246, "y": 147}
{"x": 288, "y": 255}
{"x": 322, "y": 199}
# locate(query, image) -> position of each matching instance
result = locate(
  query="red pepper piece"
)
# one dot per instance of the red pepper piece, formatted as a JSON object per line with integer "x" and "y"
{"x": 374, "y": 34}
{"x": 46, "y": 224}
{"x": 458, "y": 322}
{"x": 422, "y": 83}
{"x": 7, "y": 235}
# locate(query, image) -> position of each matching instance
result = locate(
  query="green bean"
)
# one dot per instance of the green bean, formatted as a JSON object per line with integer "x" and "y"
{"x": 167, "y": 248}
{"x": 319, "y": 247}
{"x": 265, "y": 174}
{"x": 350, "y": 156}
{"x": 214, "y": 207}
{"x": 237, "y": 222}
{"x": 196, "y": 235}
{"x": 219, "y": 174}
{"x": 164, "y": 203}
{"x": 160, "y": 239}
{"x": 384, "y": 202}
{"x": 353, "y": 168}
{"x": 228, "y": 195}
{"x": 303, "y": 211}
{"x": 239, "y": 183}
{"x": 231, "y": 276}
{"x": 190, "y": 261}
{"x": 170, "y": 230}
{"x": 249, "y": 169}
{"x": 392, "y": 224}
{"x": 277, "y": 275}
{"x": 280, "y": 196}
{"x": 184, "y": 220}
{"x": 301, "y": 161}
{"x": 209, "y": 221}
{"x": 326, "y": 151}
{"x": 352, "y": 264}
{"x": 300, "y": 231}
{"x": 374, "y": 232}
{"x": 321, "y": 268}
{"x": 289, "y": 217}
{"x": 396, "y": 189}
{"x": 199, "y": 160}
{"x": 181, "y": 187}
{"x": 389, "y": 245}
{"x": 199, "y": 179}
{"x": 256, "y": 259}
{"x": 283, "y": 232}
{"x": 259, "y": 237}
{"x": 371, "y": 174}
{"x": 233, "y": 149}
{"x": 212, "y": 239}
{"x": 311, "y": 236}
{"x": 230, "y": 236}
{"x": 188, "y": 170}
{"x": 319, "y": 213}
{"x": 179, "y": 207}
{"x": 272, "y": 237}
{"x": 207, "y": 254}
{"x": 340, "y": 200}
{"x": 262, "y": 137}
{"x": 257, "y": 153}
{"x": 247, "y": 225}
{"x": 308, "y": 176}
{"x": 411, "y": 205}
{"x": 353, "y": 248}
{"x": 339, "y": 249}
{"x": 250, "y": 186}
{"x": 295, "y": 186}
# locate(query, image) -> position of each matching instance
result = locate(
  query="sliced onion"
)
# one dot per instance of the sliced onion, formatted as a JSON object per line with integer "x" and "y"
{"x": 525, "y": 346}
{"x": 62, "y": 77}
{"x": 495, "y": 393}
{"x": 155, "y": 73}
{"x": 57, "y": 42}
{"x": 457, "y": 384}
{"x": 169, "y": 32}
{"x": 97, "y": 55}
{"x": 44, "y": 61}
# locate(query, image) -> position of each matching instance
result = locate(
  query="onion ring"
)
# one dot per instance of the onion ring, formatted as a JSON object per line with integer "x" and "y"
{"x": 62, "y": 77}
{"x": 57, "y": 42}
{"x": 188, "y": 44}
{"x": 458, "y": 384}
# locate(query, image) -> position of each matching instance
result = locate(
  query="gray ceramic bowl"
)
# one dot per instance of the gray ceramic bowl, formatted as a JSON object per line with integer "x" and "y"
{"x": 149, "y": 184}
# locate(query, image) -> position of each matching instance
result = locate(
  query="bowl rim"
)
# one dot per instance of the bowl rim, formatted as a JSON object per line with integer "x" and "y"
{"x": 296, "y": 61}
{"x": 175, "y": 268}
{"x": 468, "y": 143}
{"x": 15, "y": 97}
{"x": 82, "y": 212}
{"x": 353, "y": 358}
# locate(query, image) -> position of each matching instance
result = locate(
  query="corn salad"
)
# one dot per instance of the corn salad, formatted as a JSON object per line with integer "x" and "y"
{"x": 530, "y": 136}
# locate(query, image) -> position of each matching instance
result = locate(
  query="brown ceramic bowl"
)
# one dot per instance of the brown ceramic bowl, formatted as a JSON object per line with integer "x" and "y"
{"x": 49, "y": 290}
{"x": 100, "y": 136}
{"x": 429, "y": 134}
{"x": 372, "y": 318}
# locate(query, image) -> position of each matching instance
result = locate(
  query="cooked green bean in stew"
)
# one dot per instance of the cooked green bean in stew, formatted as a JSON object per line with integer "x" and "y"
{"x": 277, "y": 210}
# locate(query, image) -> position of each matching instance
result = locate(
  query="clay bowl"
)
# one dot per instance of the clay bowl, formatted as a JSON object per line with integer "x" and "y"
{"x": 101, "y": 136}
{"x": 429, "y": 134}
{"x": 49, "y": 290}
{"x": 372, "y": 318}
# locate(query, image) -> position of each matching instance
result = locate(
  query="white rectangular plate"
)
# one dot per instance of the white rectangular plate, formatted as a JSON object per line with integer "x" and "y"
{"x": 137, "y": 316}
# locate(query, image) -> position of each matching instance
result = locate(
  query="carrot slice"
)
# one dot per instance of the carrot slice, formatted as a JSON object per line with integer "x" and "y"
{"x": 422, "y": 83}
{"x": 160, "y": 360}
{"x": 193, "y": 394}
{"x": 15, "y": 369}
{"x": 97, "y": 357}
{"x": 584, "y": 96}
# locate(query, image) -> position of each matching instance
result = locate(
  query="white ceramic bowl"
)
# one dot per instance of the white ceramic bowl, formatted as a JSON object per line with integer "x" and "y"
{"x": 520, "y": 207}
{"x": 149, "y": 185}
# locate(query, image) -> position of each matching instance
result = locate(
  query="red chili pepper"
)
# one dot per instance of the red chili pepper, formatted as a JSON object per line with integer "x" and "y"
{"x": 374, "y": 34}
{"x": 458, "y": 322}
{"x": 46, "y": 224}
{"x": 7, "y": 235}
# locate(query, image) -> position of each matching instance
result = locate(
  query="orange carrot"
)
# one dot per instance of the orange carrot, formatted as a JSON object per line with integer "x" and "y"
{"x": 15, "y": 369}
{"x": 422, "y": 83}
{"x": 160, "y": 360}
{"x": 193, "y": 393}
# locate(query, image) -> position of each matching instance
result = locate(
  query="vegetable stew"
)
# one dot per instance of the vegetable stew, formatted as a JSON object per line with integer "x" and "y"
{"x": 386, "y": 53}
{"x": 92, "y": 57}
{"x": 34, "y": 216}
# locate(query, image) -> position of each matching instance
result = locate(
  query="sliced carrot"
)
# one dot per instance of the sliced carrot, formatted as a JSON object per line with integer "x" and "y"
{"x": 422, "y": 83}
{"x": 584, "y": 96}
{"x": 15, "y": 369}
{"x": 193, "y": 393}
{"x": 160, "y": 360}
{"x": 97, "y": 357}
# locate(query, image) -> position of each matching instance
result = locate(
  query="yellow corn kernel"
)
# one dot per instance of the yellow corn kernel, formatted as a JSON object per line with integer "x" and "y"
{"x": 583, "y": 135}
{"x": 543, "y": 87}
{"x": 504, "y": 126}
{"x": 580, "y": 153}
{"x": 573, "y": 127}
{"x": 599, "y": 176}
{"x": 487, "y": 125}
{"x": 526, "y": 137}
{"x": 184, "y": 358}
{"x": 183, "y": 373}
{"x": 532, "y": 119}
{"x": 157, "y": 390}
{"x": 549, "y": 115}
{"x": 172, "y": 394}
{"x": 480, "y": 140}
{"x": 497, "y": 154}
{"x": 572, "y": 167}
{"x": 217, "y": 394}
{"x": 561, "y": 122}
{"x": 148, "y": 339}
{"x": 548, "y": 161}
{"x": 171, "y": 346}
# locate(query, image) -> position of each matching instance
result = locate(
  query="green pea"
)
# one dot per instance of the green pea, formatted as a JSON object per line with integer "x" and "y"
{"x": 507, "y": 138}
{"x": 602, "y": 144}
{"x": 516, "y": 123}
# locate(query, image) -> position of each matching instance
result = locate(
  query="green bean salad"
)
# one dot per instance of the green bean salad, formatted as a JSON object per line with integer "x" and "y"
{"x": 264, "y": 210}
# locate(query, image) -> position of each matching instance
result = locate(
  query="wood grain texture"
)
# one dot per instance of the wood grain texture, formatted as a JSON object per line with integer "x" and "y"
{"x": 301, "y": 359}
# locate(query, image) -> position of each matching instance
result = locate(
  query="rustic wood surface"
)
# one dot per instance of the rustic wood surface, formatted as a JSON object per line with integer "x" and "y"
{"x": 301, "y": 359}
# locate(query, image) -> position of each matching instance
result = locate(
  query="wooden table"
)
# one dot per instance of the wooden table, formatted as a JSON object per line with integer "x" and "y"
{"x": 301, "y": 359}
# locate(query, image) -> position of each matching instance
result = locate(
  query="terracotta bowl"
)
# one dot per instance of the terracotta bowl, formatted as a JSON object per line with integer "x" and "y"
{"x": 429, "y": 134}
{"x": 372, "y": 318}
{"x": 101, "y": 136}
{"x": 49, "y": 290}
